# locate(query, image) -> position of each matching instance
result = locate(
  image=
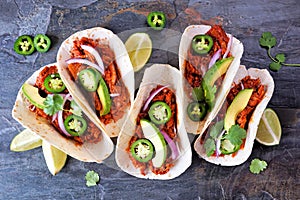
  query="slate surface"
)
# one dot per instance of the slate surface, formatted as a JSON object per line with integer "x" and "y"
{"x": 25, "y": 175}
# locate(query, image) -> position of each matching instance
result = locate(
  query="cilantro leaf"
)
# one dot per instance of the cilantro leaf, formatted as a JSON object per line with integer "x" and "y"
{"x": 75, "y": 109}
{"x": 280, "y": 57}
{"x": 198, "y": 94}
{"x": 235, "y": 135}
{"x": 92, "y": 178}
{"x": 209, "y": 94}
{"x": 275, "y": 66}
{"x": 216, "y": 129}
{"x": 267, "y": 40}
{"x": 209, "y": 146}
{"x": 257, "y": 166}
{"x": 53, "y": 104}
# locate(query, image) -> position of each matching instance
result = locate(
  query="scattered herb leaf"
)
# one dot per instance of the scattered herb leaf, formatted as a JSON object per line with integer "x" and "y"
{"x": 257, "y": 166}
{"x": 275, "y": 66}
{"x": 53, "y": 104}
{"x": 280, "y": 57}
{"x": 75, "y": 109}
{"x": 216, "y": 129}
{"x": 268, "y": 41}
{"x": 235, "y": 135}
{"x": 92, "y": 178}
{"x": 209, "y": 93}
{"x": 210, "y": 147}
{"x": 198, "y": 94}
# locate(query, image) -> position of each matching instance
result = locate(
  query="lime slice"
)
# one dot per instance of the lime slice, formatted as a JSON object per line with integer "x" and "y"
{"x": 25, "y": 140}
{"x": 139, "y": 48}
{"x": 269, "y": 128}
{"x": 55, "y": 158}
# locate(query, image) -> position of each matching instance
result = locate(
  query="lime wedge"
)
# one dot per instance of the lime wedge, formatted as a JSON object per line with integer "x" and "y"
{"x": 55, "y": 158}
{"x": 25, "y": 140}
{"x": 269, "y": 128}
{"x": 139, "y": 48}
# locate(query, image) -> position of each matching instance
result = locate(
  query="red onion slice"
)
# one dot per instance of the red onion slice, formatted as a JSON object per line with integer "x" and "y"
{"x": 85, "y": 62}
{"x": 95, "y": 53}
{"x": 60, "y": 116}
{"x": 228, "y": 46}
{"x": 61, "y": 123}
{"x": 215, "y": 57}
{"x": 54, "y": 117}
{"x": 173, "y": 147}
{"x": 152, "y": 96}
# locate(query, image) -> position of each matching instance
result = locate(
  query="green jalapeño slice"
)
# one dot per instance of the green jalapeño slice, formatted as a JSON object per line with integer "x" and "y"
{"x": 160, "y": 112}
{"x": 75, "y": 125}
{"x": 196, "y": 111}
{"x": 24, "y": 45}
{"x": 142, "y": 150}
{"x": 54, "y": 84}
{"x": 89, "y": 78}
{"x": 156, "y": 20}
{"x": 42, "y": 43}
{"x": 202, "y": 44}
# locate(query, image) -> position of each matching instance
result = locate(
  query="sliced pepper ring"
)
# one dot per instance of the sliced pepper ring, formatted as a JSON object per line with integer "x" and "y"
{"x": 24, "y": 45}
{"x": 196, "y": 111}
{"x": 156, "y": 20}
{"x": 54, "y": 84}
{"x": 202, "y": 44}
{"x": 75, "y": 125}
{"x": 89, "y": 78}
{"x": 142, "y": 150}
{"x": 42, "y": 43}
{"x": 160, "y": 112}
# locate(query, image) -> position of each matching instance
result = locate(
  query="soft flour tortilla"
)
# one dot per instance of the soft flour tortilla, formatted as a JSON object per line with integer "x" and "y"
{"x": 122, "y": 59}
{"x": 87, "y": 152}
{"x": 157, "y": 74}
{"x": 243, "y": 154}
{"x": 236, "y": 51}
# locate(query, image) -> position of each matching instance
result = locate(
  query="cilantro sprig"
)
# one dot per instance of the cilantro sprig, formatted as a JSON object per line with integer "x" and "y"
{"x": 268, "y": 41}
{"x": 53, "y": 104}
{"x": 234, "y": 137}
{"x": 257, "y": 166}
{"x": 92, "y": 178}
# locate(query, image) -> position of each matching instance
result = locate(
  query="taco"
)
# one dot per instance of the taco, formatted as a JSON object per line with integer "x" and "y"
{"x": 153, "y": 142}
{"x": 96, "y": 69}
{"x": 229, "y": 138}
{"x": 208, "y": 60}
{"x": 45, "y": 106}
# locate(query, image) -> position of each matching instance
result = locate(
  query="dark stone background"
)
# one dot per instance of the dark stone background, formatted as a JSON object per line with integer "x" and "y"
{"x": 25, "y": 175}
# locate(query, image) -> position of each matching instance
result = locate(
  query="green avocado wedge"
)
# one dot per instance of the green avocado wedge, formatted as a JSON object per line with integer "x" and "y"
{"x": 210, "y": 77}
{"x": 152, "y": 133}
{"x": 32, "y": 94}
{"x": 104, "y": 97}
{"x": 217, "y": 70}
{"x": 238, "y": 104}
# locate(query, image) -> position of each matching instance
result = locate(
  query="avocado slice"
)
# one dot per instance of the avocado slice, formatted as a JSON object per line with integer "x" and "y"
{"x": 210, "y": 77}
{"x": 152, "y": 133}
{"x": 32, "y": 94}
{"x": 238, "y": 104}
{"x": 217, "y": 70}
{"x": 104, "y": 97}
